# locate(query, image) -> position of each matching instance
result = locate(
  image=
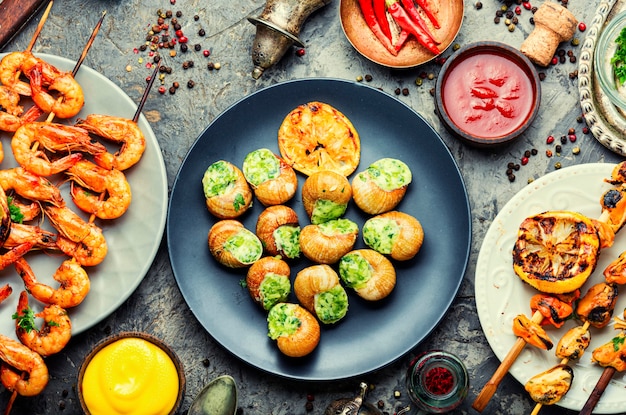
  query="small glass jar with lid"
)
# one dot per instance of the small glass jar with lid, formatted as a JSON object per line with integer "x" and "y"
{"x": 437, "y": 382}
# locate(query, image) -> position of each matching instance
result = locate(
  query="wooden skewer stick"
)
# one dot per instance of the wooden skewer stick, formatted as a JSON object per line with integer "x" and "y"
{"x": 563, "y": 362}
{"x": 43, "y": 19}
{"x": 490, "y": 387}
{"x": 598, "y": 390}
{"x": 94, "y": 33}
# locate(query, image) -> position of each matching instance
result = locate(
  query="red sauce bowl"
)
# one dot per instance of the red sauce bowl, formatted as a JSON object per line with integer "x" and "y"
{"x": 487, "y": 94}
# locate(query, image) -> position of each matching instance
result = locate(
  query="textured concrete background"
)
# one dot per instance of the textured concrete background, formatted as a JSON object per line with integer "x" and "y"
{"x": 157, "y": 305}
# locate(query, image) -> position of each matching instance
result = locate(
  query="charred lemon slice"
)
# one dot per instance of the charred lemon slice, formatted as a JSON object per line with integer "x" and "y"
{"x": 316, "y": 137}
{"x": 556, "y": 251}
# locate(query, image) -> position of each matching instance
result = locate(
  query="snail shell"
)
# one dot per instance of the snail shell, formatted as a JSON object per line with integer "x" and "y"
{"x": 267, "y": 225}
{"x": 321, "y": 282}
{"x": 394, "y": 233}
{"x": 226, "y": 190}
{"x": 275, "y": 273}
{"x": 222, "y": 238}
{"x": 326, "y": 188}
{"x": 382, "y": 186}
{"x": 304, "y": 339}
{"x": 274, "y": 181}
{"x": 326, "y": 243}
{"x": 369, "y": 273}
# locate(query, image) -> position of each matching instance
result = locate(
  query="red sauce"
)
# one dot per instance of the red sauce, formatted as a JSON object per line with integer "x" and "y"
{"x": 487, "y": 95}
{"x": 439, "y": 381}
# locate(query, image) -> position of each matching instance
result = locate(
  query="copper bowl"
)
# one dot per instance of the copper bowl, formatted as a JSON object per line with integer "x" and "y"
{"x": 139, "y": 335}
{"x": 487, "y": 94}
{"x": 361, "y": 37}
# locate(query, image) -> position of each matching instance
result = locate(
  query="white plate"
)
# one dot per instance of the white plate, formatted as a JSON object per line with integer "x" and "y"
{"x": 501, "y": 295}
{"x": 133, "y": 240}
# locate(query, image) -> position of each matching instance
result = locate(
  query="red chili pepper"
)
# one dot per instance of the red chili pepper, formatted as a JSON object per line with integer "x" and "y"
{"x": 411, "y": 10}
{"x": 380, "y": 11}
{"x": 402, "y": 37}
{"x": 367, "y": 8}
{"x": 429, "y": 13}
{"x": 404, "y": 21}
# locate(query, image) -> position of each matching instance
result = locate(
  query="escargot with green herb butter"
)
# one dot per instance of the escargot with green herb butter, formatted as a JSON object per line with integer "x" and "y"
{"x": 232, "y": 245}
{"x": 318, "y": 289}
{"x": 274, "y": 181}
{"x": 325, "y": 196}
{"x": 327, "y": 242}
{"x": 394, "y": 233}
{"x": 278, "y": 229}
{"x": 369, "y": 273}
{"x": 382, "y": 186}
{"x": 226, "y": 190}
{"x": 295, "y": 329}
{"x": 268, "y": 281}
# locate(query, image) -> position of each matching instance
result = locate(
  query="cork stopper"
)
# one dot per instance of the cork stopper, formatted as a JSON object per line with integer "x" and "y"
{"x": 553, "y": 24}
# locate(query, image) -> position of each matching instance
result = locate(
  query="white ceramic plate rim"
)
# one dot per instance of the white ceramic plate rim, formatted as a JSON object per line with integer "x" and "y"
{"x": 133, "y": 240}
{"x": 501, "y": 295}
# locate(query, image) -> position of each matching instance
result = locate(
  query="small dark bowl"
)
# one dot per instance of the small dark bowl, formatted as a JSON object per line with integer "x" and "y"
{"x": 140, "y": 335}
{"x": 475, "y": 112}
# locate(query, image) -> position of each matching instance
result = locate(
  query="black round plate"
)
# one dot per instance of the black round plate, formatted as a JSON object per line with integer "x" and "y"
{"x": 371, "y": 335}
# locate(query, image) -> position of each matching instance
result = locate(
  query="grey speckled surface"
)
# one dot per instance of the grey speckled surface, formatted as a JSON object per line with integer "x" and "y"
{"x": 157, "y": 305}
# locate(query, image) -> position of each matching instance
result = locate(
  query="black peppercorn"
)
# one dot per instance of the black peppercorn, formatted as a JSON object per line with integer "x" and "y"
{"x": 190, "y": 84}
{"x": 196, "y": 17}
{"x": 179, "y": 13}
{"x": 368, "y": 78}
{"x": 172, "y": 90}
{"x": 478, "y": 5}
{"x": 397, "y": 91}
{"x": 201, "y": 32}
{"x": 197, "y": 47}
{"x": 405, "y": 91}
{"x": 183, "y": 47}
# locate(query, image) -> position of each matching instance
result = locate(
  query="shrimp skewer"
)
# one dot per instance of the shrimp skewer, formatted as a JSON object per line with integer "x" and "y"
{"x": 79, "y": 239}
{"x": 38, "y": 237}
{"x": 113, "y": 183}
{"x": 54, "y": 334}
{"x": 30, "y": 186}
{"x": 74, "y": 284}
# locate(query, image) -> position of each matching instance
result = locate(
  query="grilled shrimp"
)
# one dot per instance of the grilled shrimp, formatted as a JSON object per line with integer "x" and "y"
{"x": 93, "y": 178}
{"x": 54, "y": 334}
{"x": 22, "y": 234}
{"x": 18, "y": 358}
{"x": 71, "y": 97}
{"x": 79, "y": 239}
{"x": 30, "y": 186}
{"x": 74, "y": 284}
{"x": 9, "y": 101}
{"x": 11, "y": 69}
{"x": 119, "y": 130}
{"x": 5, "y": 292}
{"x": 53, "y": 137}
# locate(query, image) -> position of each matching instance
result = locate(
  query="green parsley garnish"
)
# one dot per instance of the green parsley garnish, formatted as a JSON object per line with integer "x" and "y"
{"x": 618, "y": 61}
{"x": 617, "y": 342}
{"x": 15, "y": 211}
{"x": 25, "y": 321}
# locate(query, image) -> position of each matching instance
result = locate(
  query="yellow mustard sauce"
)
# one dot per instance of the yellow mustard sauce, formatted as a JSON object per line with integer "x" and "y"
{"x": 130, "y": 376}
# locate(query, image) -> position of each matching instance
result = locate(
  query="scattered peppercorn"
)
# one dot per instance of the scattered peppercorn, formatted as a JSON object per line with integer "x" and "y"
{"x": 563, "y": 139}
{"x": 524, "y": 161}
{"x": 478, "y": 5}
{"x": 368, "y": 78}
{"x": 405, "y": 91}
{"x": 380, "y": 404}
{"x": 576, "y": 150}
{"x": 359, "y": 78}
{"x": 534, "y": 151}
{"x": 549, "y": 153}
{"x": 197, "y": 47}
{"x": 396, "y": 394}
{"x": 206, "y": 362}
{"x": 558, "y": 148}
{"x": 419, "y": 81}
{"x": 397, "y": 91}
{"x": 308, "y": 406}
{"x": 196, "y": 17}
{"x": 172, "y": 90}
{"x": 190, "y": 84}
{"x": 511, "y": 177}
{"x": 161, "y": 90}
{"x": 557, "y": 165}
{"x": 550, "y": 139}
{"x": 300, "y": 52}
{"x": 585, "y": 130}
{"x": 582, "y": 26}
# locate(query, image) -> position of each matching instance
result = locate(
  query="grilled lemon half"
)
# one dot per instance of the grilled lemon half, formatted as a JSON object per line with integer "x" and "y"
{"x": 316, "y": 137}
{"x": 556, "y": 251}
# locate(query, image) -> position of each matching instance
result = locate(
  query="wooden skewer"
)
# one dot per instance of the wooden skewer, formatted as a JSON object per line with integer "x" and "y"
{"x": 563, "y": 362}
{"x": 598, "y": 390}
{"x": 490, "y": 387}
{"x": 43, "y": 19}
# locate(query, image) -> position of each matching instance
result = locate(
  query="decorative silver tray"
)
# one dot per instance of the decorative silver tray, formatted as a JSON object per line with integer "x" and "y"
{"x": 606, "y": 122}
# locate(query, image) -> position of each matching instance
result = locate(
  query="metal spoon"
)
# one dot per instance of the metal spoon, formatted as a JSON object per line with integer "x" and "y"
{"x": 219, "y": 397}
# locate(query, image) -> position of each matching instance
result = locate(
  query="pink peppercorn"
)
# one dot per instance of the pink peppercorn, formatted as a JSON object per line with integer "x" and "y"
{"x": 161, "y": 90}
{"x": 524, "y": 161}
{"x": 582, "y": 26}
{"x": 206, "y": 53}
{"x": 300, "y": 52}
{"x": 572, "y": 137}
{"x": 518, "y": 10}
{"x": 183, "y": 39}
{"x": 555, "y": 60}
{"x": 527, "y": 5}
{"x": 179, "y": 33}
{"x": 550, "y": 139}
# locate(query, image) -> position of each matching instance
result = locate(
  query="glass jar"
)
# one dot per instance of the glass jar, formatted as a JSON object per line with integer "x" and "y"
{"x": 437, "y": 381}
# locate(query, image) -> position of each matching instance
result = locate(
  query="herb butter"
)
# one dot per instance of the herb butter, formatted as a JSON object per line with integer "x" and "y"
{"x": 338, "y": 226}
{"x": 354, "y": 270}
{"x": 218, "y": 178}
{"x": 260, "y": 166}
{"x": 380, "y": 234}
{"x": 389, "y": 174}
{"x": 287, "y": 240}
{"x": 282, "y": 320}
{"x": 325, "y": 210}
{"x": 245, "y": 246}
{"x": 332, "y": 305}
{"x": 274, "y": 289}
